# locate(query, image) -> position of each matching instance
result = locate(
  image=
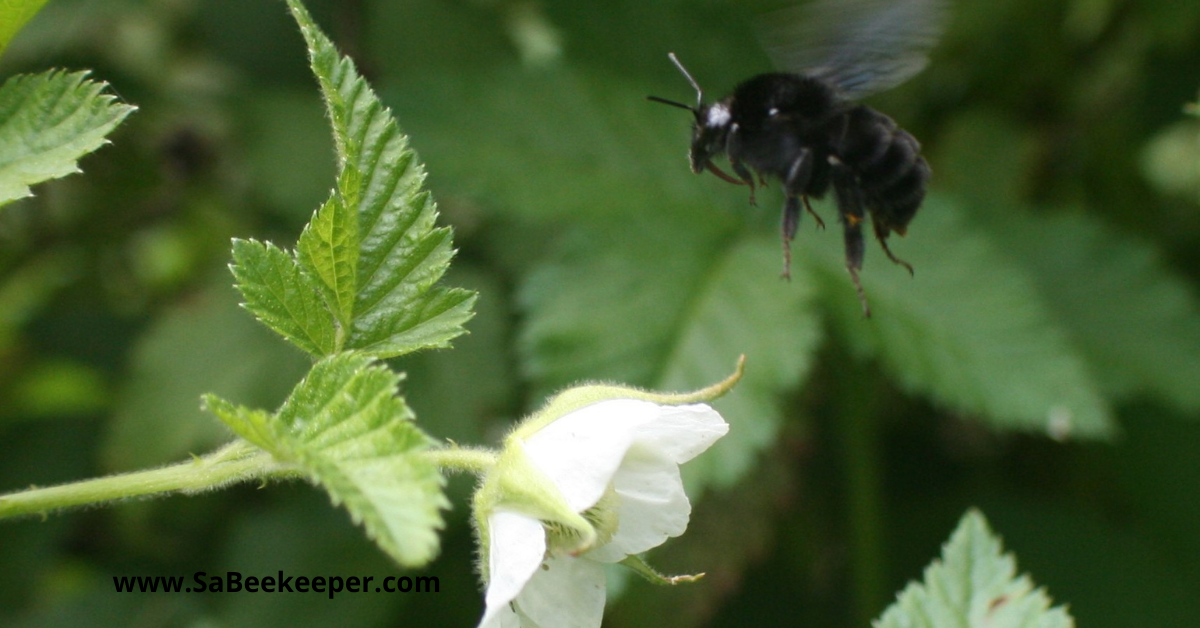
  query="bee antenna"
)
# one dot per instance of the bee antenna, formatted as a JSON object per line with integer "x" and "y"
{"x": 699, "y": 92}
{"x": 670, "y": 102}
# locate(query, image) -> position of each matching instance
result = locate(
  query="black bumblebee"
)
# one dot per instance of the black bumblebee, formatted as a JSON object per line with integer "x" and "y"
{"x": 805, "y": 128}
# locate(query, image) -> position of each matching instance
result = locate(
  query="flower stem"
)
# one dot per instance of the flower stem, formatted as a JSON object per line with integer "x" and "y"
{"x": 238, "y": 461}
{"x": 456, "y": 458}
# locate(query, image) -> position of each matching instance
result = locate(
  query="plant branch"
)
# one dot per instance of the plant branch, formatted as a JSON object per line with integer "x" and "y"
{"x": 238, "y": 461}
{"x": 456, "y": 458}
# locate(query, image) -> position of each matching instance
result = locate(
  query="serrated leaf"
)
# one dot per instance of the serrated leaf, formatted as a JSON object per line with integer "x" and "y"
{"x": 283, "y": 296}
{"x": 252, "y": 425}
{"x": 347, "y": 429}
{"x": 401, "y": 254}
{"x": 328, "y": 249}
{"x": 1138, "y": 324}
{"x": 970, "y": 329}
{"x": 47, "y": 122}
{"x": 372, "y": 254}
{"x": 672, "y": 307}
{"x": 973, "y": 585}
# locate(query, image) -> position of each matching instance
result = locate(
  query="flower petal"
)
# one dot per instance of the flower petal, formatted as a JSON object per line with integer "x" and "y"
{"x": 653, "y": 506}
{"x": 566, "y": 593}
{"x": 505, "y": 617}
{"x": 581, "y": 451}
{"x": 516, "y": 547}
{"x": 683, "y": 432}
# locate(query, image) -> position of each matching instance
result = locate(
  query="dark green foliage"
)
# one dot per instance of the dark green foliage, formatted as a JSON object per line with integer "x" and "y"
{"x": 1056, "y": 287}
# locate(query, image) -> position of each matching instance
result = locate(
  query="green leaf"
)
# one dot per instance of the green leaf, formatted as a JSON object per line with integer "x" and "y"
{"x": 1138, "y": 324}
{"x": 970, "y": 329}
{"x": 1134, "y": 321}
{"x": 328, "y": 249}
{"x": 13, "y": 16}
{"x": 672, "y": 307}
{"x": 347, "y": 429}
{"x": 974, "y": 585}
{"x": 742, "y": 307}
{"x": 457, "y": 393}
{"x": 401, "y": 255}
{"x": 47, "y": 122}
{"x": 364, "y": 273}
{"x": 566, "y": 145}
{"x": 252, "y": 425}
{"x": 283, "y": 296}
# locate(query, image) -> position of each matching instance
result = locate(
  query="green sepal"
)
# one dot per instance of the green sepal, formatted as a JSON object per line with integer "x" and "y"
{"x": 584, "y": 395}
{"x": 643, "y": 569}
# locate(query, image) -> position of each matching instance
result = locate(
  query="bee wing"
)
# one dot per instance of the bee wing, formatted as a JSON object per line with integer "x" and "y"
{"x": 861, "y": 46}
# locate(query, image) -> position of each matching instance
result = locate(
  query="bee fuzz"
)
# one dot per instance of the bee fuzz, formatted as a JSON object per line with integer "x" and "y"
{"x": 718, "y": 116}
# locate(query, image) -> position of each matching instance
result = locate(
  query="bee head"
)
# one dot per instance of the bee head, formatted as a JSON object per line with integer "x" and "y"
{"x": 711, "y": 125}
{"x": 709, "y": 134}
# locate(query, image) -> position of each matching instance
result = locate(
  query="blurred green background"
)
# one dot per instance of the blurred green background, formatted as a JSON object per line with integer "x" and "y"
{"x": 1043, "y": 364}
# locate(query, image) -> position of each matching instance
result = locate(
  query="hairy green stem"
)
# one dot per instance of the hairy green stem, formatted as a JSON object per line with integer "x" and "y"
{"x": 238, "y": 461}
{"x": 456, "y": 458}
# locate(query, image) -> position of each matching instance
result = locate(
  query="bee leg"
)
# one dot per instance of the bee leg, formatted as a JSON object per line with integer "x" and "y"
{"x": 744, "y": 174}
{"x": 854, "y": 257}
{"x": 799, "y": 173}
{"x": 809, "y": 209}
{"x": 797, "y": 180}
{"x": 791, "y": 220}
{"x": 722, "y": 175}
{"x": 881, "y": 234}
{"x": 794, "y": 185}
{"x": 850, "y": 211}
{"x": 733, "y": 150}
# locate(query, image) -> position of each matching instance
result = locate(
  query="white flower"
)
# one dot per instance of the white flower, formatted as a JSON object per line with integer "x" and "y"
{"x": 593, "y": 486}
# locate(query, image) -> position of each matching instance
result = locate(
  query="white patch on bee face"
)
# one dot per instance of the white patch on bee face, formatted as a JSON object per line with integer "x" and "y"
{"x": 718, "y": 116}
{"x": 772, "y": 112}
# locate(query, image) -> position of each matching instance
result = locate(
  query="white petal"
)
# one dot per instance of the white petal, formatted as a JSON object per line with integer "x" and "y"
{"x": 522, "y": 620}
{"x": 567, "y": 593}
{"x": 516, "y": 546}
{"x": 683, "y": 432}
{"x": 503, "y": 617}
{"x": 653, "y": 506}
{"x": 581, "y": 451}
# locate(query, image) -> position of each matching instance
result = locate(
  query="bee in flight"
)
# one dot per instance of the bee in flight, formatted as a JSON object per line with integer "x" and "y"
{"x": 805, "y": 127}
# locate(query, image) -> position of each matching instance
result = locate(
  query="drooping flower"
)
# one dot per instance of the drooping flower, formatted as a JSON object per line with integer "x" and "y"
{"x": 591, "y": 479}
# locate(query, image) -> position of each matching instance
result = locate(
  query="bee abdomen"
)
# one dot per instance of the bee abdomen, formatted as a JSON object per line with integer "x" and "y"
{"x": 888, "y": 162}
{"x": 896, "y": 204}
{"x": 864, "y": 137}
{"x": 898, "y": 158}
